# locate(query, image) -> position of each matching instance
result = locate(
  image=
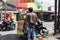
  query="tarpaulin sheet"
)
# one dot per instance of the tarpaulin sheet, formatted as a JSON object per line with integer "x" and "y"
{"x": 12, "y": 0}
{"x": 26, "y": 5}
{"x": 25, "y": 1}
{"x": 12, "y": 4}
{"x": 32, "y": 5}
{"x": 22, "y": 6}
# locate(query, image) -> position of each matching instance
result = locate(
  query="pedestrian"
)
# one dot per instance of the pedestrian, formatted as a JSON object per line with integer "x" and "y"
{"x": 31, "y": 19}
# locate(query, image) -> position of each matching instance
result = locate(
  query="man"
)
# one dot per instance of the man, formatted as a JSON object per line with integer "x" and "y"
{"x": 31, "y": 19}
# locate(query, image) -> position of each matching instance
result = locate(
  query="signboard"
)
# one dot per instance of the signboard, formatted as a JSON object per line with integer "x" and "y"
{"x": 20, "y": 27}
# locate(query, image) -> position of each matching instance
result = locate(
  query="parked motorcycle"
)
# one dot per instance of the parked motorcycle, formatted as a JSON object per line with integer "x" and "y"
{"x": 6, "y": 25}
{"x": 40, "y": 29}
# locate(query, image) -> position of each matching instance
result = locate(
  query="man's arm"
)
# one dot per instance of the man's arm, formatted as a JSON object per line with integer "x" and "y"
{"x": 35, "y": 15}
{"x": 27, "y": 17}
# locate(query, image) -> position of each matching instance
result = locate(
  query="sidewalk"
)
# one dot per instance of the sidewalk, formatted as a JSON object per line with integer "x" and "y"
{"x": 11, "y": 35}
{"x": 54, "y": 37}
{"x": 50, "y": 38}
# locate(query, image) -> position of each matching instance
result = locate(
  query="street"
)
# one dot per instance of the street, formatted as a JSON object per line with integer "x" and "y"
{"x": 12, "y": 35}
{"x": 13, "y": 11}
{"x": 48, "y": 25}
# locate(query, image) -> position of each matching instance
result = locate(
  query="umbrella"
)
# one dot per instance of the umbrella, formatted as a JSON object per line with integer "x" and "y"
{"x": 25, "y": 1}
{"x": 33, "y": 5}
{"x": 11, "y": 0}
{"x": 26, "y": 5}
{"x": 12, "y": 4}
{"x": 37, "y": 4}
{"x": 21, "y": 6}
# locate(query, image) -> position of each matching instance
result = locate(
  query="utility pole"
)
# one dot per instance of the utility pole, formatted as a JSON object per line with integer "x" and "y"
{"x": 59, "y": 15}
{"x": 5, "y": 7}
{"x": 55, "y": 24}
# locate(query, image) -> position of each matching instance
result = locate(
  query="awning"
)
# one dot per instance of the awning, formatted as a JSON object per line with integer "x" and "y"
{"x": 7, "y": 8}
{"x": 37, "y": 3}
{"x": 25, "y": 1}
{"x": 21, "y": 6}
{"x": 11, "y": 0}
{"x": 12, "y": 4}
{"x": 26, "y": 5}
{"x": 33, "y": 5}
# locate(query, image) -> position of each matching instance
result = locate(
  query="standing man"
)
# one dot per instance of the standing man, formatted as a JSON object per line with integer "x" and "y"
{"x": 31, "y": 20}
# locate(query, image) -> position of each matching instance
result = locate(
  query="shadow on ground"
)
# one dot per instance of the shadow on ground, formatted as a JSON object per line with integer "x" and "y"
{"x": 10, "y": 37}
{"x": 58, "y": 38}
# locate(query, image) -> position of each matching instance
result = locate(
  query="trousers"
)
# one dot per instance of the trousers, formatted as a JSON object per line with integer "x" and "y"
{"x": 31, "y": 31}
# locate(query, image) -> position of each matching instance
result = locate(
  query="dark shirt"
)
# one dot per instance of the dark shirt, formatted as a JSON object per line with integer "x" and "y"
{"x": 4, "y": 23}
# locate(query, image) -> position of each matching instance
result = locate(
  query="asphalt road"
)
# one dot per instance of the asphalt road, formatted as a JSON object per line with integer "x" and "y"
{"x": 49, "y": 25}
{"x": 17, "y": 37}
{"x": 10, "y": 37}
